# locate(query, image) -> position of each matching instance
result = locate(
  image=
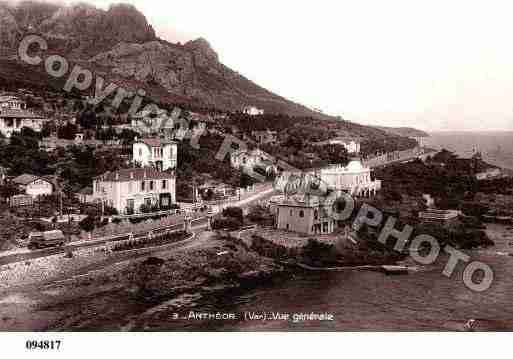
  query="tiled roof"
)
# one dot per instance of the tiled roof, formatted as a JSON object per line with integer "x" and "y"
{"x": 25, "y": 179}
{"x": 135, "y": 174}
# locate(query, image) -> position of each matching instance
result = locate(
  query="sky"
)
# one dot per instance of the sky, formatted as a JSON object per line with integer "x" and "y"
{"x": 433, "y": 65}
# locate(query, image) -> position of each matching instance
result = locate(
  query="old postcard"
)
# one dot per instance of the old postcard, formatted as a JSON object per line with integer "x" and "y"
{"x": 284, "y": 166}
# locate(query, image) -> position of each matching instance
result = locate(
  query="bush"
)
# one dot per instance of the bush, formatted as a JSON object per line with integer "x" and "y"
{"x": 228, "y": 223}
{"x": 88, "y": 224}
{"x": 109, "y": 211}
{"x": 318, "y": 252}
{"x": 235, "y": 213}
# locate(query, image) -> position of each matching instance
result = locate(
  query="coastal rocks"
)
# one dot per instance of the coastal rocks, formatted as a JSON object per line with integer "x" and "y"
{"x": 201, "y": 270}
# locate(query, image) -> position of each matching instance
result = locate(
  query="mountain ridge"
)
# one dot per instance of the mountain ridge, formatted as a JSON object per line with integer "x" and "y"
{"x": 120, "y": 45}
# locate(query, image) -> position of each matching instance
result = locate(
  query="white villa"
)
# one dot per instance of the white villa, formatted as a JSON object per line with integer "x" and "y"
{"x": 127, "y": 190}
{"x": 252, "y": 111}
{"x": 155, "y": 152}
{"x": 14, "y": 116}
{"x": 354, "y": 179}
{"x": 249, "y": 159}
{"x": 310, "y": 214}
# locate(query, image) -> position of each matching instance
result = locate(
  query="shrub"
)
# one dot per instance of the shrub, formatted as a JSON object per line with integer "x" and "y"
{"x": 228, "y": 223}
{"x": 234, "y": 212}
{"x": 88, "y": 224}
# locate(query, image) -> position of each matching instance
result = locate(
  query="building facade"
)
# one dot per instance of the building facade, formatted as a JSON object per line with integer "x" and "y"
{"x": 156, "y": 153}
{"x": 354, "y": 179}
{"x": 249, "y": 160}
{"x": 14, "y": 116}
{"x": 265, "y": 137}
{"x": 12, "y": 102}
{"x": 147, "y": 122}
{"x": 33, "y": 186}
{"x": 252, "y": 111}
{"x": 306, "y": 214}
{"x": 351, "y": 146}
{"x": 129, "y": 190}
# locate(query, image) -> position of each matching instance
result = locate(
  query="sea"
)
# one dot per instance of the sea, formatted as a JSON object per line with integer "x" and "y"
{"x": 496, "y": 147}
{"x": 352, "y": 300}
{"x": 424, "y": 300}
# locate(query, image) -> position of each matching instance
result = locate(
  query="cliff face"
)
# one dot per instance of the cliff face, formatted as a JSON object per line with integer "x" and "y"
{"x": 84, "y": 29}
{"x": 9, "y": 31}
{"x": 125, "y": 45}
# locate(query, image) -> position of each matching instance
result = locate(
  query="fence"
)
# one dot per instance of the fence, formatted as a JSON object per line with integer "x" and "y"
{"x": 395, "y": 156}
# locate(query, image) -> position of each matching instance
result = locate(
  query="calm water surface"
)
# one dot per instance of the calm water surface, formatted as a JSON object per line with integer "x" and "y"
{"x": 424, "y": 300}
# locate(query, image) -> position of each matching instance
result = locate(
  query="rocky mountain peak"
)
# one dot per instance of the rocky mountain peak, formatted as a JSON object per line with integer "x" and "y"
{"x": 127, "y": 24}
{"x": 203, "y": 52}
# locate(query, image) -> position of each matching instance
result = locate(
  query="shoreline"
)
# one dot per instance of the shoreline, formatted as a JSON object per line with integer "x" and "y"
{"x": 124, "y": 295}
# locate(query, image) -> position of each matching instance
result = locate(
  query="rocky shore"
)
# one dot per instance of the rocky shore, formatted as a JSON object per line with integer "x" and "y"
{"x": 110, "y": 298}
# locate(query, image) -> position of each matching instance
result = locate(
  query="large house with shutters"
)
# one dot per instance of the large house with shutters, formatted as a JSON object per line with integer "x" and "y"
{"x": 131, "y": 190}
{"x": 155, "y": 152}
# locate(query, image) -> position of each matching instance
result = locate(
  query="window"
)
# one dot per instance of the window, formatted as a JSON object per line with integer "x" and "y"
{"x": 151, "y": 185}
{"x": 288, "y": 226}
{"x": 143, "y": 186}
{"x": 301, "y": 214}
{"x": 140, "y": 152}
{"x": 164, "y": 184}
{"x": 316, "y": 214}
{"x": 291, "y": 213}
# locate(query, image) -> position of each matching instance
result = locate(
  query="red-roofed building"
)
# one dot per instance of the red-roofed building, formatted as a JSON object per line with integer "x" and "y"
{"x": 128, "y": 189}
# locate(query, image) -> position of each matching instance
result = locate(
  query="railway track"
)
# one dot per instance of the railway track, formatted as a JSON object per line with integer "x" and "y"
{"x": 25, "y": 256}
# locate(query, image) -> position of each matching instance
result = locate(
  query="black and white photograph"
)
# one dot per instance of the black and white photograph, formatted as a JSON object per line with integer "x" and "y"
{"x": 255, "y": 167}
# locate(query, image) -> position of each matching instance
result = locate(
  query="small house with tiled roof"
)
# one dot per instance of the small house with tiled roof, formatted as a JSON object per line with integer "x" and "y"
{"x": 33, "y": 185}
{"x": 128, "y": 190}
